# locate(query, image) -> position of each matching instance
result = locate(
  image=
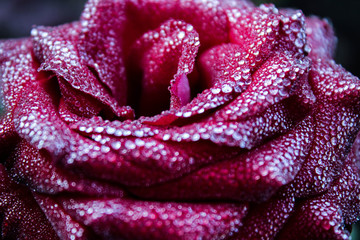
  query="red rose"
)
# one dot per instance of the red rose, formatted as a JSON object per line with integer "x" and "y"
{"x": 178, "y": 120}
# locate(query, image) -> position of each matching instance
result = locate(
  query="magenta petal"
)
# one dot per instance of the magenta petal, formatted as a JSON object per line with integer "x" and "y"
{"x": 201, "y": 15}
{"x": 336, "y": 128}
{"x": 321, "y": 38}
{"x": 64, "y": 225}
{"x": 21, "y": 217}
{"x": 136, "y": 146}
{"x": 265, "y": 220}
{"x": 38, "y": 171}
{"x": 180, "y": 91}
{"x": 226, "y": 63}
{"x": 252, "y": 176}
{"x": 277, "y": 79}
{"x": 256, "y": 30}
{"x": 101, "y": 44}
{"x": 129, "y": 219}
{"x": 164, "y": 55}
{"x": 247, "y": 133}
{"x": 17, "y": 68}
{"x": 316, "y": 219}
{"x": 334, "y": 132}
{"x": 226, "y": 71}
{"x": 267, "y": 149}
{"x": 62, "y": 57}
{"x": 77, "y": 102}
{"x": 332, "y": 83}
{"x": 36, "y": 121}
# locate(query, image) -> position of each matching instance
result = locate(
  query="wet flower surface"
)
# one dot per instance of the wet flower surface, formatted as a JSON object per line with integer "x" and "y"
{"x": 178, "y": 120}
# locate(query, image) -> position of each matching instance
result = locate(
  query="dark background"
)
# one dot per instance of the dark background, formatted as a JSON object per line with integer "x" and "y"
{"x": 18, "y": 16}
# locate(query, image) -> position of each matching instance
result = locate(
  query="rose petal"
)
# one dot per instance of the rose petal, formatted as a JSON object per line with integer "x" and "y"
{"x": 17, "y": 68}
{"x": 129, "y": 219}
{"x": 336, "y": 128}
{"x": 38, "y": 171}
{"x": 229, "y": 75}
{"x": 277, "y": 79}
{"x": 200, "y": 14}
{"x": 36, "y": 121}
{"x": 21, "y": 217}
{"x": 225, "y": 63}
{"x": 180, "y": 91}
{"x": 256, "y": 30}
{"x": 77, "y": 102}
{"x": 137, "y": 144}
{"x": 321, "y": 38}
{"x": 163, "y": 55}
{"x": 265, "y": 220}
{"x": 63, "y": 224}
{"x": 252, "y": 176}
{"x": 247, "y": 133}
{"x": 331, "y": 82}
{"x": 101, "y": 44}
{"x": 56, "y": 49}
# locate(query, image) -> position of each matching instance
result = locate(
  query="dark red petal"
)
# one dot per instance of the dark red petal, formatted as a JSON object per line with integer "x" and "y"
{"x": 277, "y": 79}
{"x": 246, "y": 133}
{"x": 150, "y": 14}
{"x": 318, "y": 218}
{"x": 252, "y": 176}
{"x": 164, "y": 56}
{"x": 36, "y": 121}
{"x": 332, "y": 83}
{"x": 129, "y": 219}
{"x": 57, "y": 51}
{"x": 256, "y": 30}
{"x": 265, "y": 220}
{"x": 335, "y": 130}
{"x": 226, "y": 70}
{"x": 102, "y": 44}
{"x": 17, "y": 68}
{"x": 21, "y": 218}
{"x": 321, "y": 38}
{"x": 77, "y": 102}
{"x": 63, "y": 224}
{"x": 37, "y": 170}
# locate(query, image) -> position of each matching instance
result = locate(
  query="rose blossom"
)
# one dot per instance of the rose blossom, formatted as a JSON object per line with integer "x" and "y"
{"x": 180, "y": 119}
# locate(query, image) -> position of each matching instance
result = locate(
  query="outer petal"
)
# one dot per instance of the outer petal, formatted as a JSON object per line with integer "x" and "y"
{"x": 321, "y": 38}
{"x": 128, "y": 219}
{"x": 328, "y": 216}
{"x": 165, "y": 56}
{"x": 38, "y": 171}
{"x": 21, "y": 217}
{"x": 17, "y": 68}
{"x": 57, "y": 51}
